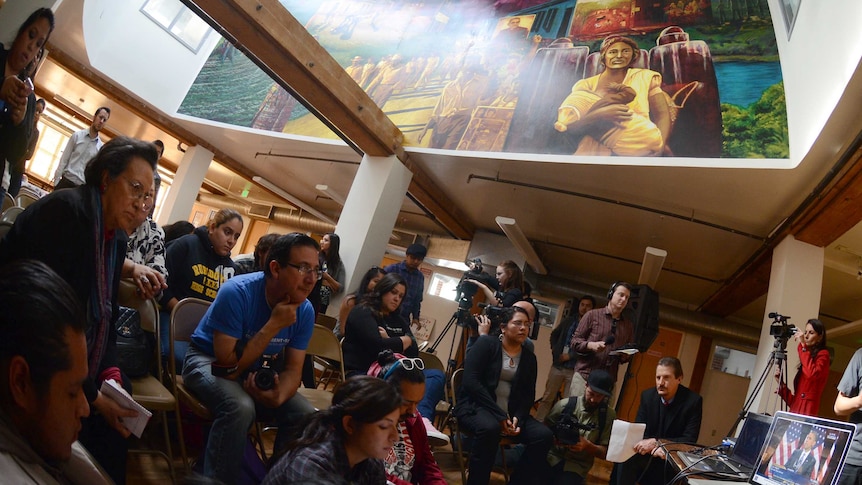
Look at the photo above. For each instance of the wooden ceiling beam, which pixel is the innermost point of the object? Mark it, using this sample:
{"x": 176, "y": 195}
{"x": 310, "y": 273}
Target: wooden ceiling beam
{"x": 833, "y": 212}
{"x": 266, "y": 32}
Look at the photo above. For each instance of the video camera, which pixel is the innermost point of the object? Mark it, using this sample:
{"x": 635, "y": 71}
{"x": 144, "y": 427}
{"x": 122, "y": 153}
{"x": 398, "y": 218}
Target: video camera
{"x": 568, "y": 430}
{"x": 467, "y": 290}
{"x": 779, "y": 328}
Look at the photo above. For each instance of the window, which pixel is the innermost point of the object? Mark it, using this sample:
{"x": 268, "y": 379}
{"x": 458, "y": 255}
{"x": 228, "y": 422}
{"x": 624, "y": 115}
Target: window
{"x": 733, "y": 361}
{"x": 443, "y": 286}
{"x": 179, "y": 21}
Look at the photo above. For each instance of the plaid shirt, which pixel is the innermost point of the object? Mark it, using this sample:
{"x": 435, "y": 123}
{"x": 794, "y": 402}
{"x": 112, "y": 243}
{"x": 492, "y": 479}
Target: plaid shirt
{"x": 412, "y": 302}
{"x": 595, "y": 326}
{"x": 321, "y": 463}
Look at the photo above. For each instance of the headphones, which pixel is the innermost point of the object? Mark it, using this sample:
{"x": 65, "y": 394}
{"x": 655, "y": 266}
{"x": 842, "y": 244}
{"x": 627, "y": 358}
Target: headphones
{"x": 613, "y": 289}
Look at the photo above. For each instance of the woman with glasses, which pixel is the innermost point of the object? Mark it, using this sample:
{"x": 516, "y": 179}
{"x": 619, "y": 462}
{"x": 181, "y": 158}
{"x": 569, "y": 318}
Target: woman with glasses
{"x": 198, "y": 264}
{"x": 345, "y": 443}
{"x": 495, "y": 398}
{"x": 372, "y": 276}
{"x": 81, "y": 234}
{"x": 375, "y": 325}
{"x": 410, "y": 461}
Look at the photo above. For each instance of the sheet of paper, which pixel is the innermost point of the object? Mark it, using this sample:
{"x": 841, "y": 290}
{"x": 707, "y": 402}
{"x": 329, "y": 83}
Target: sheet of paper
{"x": 116, "y": 392}
{"x": 624, "y": 437}
{"x": 623, "y": 351}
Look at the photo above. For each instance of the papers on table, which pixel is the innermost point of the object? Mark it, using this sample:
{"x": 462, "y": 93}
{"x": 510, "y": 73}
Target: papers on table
{"x": 624, "y": 437}
{"x": 116, "y": 392}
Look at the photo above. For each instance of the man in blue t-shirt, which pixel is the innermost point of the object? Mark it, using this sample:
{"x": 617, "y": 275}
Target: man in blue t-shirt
{"x": 257, "y": 317}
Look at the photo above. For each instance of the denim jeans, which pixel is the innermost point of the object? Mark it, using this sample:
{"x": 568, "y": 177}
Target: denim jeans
{"x": 234, "y": 413}
{"x": 180, "y": 348}
{"x": 435, "y": 383}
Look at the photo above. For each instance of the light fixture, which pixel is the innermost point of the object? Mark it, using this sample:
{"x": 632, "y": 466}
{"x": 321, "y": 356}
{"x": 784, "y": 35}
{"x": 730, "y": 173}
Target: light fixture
{"x": 651, "y": 266}
{"x": 293, "y": 200}
{"x": 332, "y": 194}
{"x": 522, "y": 244}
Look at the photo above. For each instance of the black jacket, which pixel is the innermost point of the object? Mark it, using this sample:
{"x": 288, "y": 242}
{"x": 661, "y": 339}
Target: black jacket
{"x": 58, "y": 230}
{"x": 362, "y": 341}
{"x": 678, "y": 422}
{"x": 482, "y": 374}
{"x": 14, "y": 138}
{"x": 559, "y": 340}
{"x": 194, "y": 268}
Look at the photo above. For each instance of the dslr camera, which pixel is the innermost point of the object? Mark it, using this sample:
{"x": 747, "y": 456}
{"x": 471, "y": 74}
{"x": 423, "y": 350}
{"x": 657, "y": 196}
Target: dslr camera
{"x": 568, "y": 430}
{"x": 264, "y": 378}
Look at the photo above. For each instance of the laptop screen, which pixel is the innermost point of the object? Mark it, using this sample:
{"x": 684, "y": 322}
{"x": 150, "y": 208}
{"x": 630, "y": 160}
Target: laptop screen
{"x": 751, "y": 438}
{"x": 803, "y": 450}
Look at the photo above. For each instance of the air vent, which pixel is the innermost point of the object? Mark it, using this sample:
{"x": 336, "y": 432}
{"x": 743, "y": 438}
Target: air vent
{"x": 260, "y": 210}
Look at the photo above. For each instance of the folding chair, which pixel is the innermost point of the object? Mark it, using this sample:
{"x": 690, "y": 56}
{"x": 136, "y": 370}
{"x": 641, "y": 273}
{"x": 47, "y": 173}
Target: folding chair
{"x": 149, "y": 391}
{"x": 323, "y": 344}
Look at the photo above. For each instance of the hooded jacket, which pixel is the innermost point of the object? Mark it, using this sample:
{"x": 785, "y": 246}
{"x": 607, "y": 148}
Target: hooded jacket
{"x": 194, "y": 268}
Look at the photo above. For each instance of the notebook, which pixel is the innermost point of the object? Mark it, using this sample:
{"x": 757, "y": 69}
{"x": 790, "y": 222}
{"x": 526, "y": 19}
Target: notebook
{"x": 744, "y": 456}
{"x": 824, "y": 442}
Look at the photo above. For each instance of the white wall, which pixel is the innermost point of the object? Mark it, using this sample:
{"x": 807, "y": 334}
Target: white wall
{"x": 128, "y": 47}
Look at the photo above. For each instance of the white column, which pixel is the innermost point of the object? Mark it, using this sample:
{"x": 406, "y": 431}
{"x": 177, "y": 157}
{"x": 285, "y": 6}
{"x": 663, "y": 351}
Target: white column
{"x": 369, "y": 215}
{"x": 186, "y": 185}
{"x": 795, "y": 284}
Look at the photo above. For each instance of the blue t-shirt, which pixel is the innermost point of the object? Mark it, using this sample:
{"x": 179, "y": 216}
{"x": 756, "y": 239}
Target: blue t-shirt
{"x": 240, "y": 310}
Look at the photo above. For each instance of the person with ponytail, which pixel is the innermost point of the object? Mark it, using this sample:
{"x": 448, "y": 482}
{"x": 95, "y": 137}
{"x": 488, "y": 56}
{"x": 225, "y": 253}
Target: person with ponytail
{"x": 410, "y": 461}
{"x": 346, "y": 442}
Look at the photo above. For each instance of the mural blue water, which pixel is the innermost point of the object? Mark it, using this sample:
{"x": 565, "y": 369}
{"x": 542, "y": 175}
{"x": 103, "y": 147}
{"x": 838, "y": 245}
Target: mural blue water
{"x": 742, "y": 83}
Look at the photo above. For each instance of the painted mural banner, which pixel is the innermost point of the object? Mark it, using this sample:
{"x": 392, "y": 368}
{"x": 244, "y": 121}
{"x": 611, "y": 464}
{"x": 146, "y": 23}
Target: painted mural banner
{"x": 634, "y": 78}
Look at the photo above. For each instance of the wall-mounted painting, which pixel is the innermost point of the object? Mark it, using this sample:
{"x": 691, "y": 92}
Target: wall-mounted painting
{"x": 634, "y": 78}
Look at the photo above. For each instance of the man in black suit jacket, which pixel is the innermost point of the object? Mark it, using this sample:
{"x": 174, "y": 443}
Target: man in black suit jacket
{"x": 802, "y": 459}
{"x": 672, "y": 412}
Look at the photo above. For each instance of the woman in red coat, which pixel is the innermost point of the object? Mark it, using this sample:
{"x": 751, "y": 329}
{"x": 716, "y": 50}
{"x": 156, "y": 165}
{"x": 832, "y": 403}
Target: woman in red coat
{"x": 812, "y": 372}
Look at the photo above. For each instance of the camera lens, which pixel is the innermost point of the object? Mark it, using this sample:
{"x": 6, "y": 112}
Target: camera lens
{"x": 264, "y": 379}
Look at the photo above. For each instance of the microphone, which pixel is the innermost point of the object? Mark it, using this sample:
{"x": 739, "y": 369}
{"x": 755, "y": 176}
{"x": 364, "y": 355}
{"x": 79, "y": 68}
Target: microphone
{"x": 610, "y": 339}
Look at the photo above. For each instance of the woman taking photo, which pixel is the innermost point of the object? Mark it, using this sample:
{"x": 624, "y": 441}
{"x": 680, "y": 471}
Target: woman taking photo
{"x": 510, "y": 280}
{"x": 345, "y": 443}
{"x": 375, "y": 325}
{"x": 198, "y": 264}
{"x": 333, "y": 269}
{"x": 81, "y": 234}
{"x": 495, "y": 398}
{"x": 372, "y": 276}
{"x": 812, "y": 372}
{"x": 17, "y": 102}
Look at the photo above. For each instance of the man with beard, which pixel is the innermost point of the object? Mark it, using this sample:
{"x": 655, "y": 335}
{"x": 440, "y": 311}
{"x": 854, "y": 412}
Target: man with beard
{"x": 571, "y": 461}
{"x": 672, "y": 413}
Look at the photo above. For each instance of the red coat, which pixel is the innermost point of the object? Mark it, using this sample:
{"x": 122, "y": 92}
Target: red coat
{"x": 809, "y": 382}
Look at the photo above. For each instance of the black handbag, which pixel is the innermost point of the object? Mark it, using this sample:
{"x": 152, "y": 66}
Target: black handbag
{"x": 134, "y": 345}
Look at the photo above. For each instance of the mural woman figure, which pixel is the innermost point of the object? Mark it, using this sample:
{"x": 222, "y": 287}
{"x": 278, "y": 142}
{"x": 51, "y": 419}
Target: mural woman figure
{"x": 622, "y": 111}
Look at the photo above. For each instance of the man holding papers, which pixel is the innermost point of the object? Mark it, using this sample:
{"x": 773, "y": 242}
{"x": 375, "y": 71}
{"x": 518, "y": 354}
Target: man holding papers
{"x": 672, "y": 412}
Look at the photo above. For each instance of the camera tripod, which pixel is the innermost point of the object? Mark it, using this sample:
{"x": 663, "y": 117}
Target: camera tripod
{"x": 778, "y": 356}
{"x": 460, "y": 319}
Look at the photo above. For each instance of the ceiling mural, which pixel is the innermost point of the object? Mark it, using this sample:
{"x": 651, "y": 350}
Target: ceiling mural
{"x": 638, "y": 78}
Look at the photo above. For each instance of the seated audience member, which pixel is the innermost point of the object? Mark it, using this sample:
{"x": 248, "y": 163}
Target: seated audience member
{"x": 374, "y": 325}
{"x": 483, "y": 325}
{"x": 43, "y": 359}
{"x": 672, "y": 412}
{"x": 495, "y": 398}
{"x": 250, "y": 264}
{"x": 198, "y": 264}
{"x": 371, "y": 277}
{"x": 410, "y": 460}
{"x": 80, "y": 233}
{"x": 254, "y": 315}
{"x": 571, "y": 460}
{"x": 346, "y": 442}
{"x": 145, "y": 251}
{"x": 177, "y": 230}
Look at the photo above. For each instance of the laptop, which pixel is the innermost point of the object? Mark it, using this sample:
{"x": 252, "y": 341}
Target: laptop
{"x": 803, "y": 450}
{"x": 744, "y": 456}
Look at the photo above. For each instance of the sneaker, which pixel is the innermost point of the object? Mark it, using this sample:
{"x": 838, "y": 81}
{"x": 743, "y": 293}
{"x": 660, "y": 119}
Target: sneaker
{"x": 435, "y": 438}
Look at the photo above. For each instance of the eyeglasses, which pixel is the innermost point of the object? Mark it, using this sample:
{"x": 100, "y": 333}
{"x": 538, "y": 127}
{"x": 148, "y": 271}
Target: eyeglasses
{"x": 304, "y": 269}
{"x": 520, "y": 324}
{"x": 139, "y": 193}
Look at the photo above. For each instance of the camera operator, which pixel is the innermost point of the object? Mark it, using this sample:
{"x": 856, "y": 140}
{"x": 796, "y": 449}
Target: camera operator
{"x": 812, "y": 372}
{"x": 582, "y": 430}
{"x": 254, "y": 315}
{"x": 510, "y": 280}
